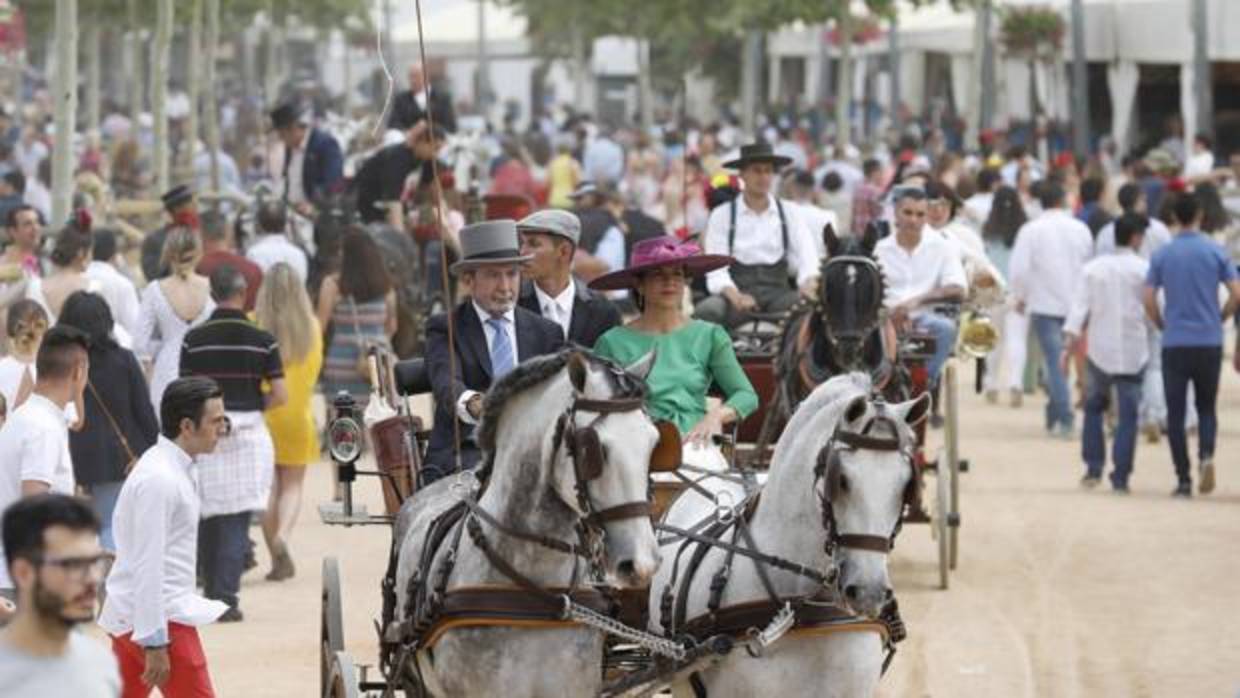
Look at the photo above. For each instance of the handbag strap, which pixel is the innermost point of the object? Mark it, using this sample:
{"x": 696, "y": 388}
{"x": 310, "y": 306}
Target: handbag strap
{"x": 357, "y": 328}
{"x": 111, "y": 420}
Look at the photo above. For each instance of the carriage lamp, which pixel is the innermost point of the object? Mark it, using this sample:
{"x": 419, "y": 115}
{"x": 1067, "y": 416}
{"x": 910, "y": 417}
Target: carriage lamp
{"x": 345, "y": 438}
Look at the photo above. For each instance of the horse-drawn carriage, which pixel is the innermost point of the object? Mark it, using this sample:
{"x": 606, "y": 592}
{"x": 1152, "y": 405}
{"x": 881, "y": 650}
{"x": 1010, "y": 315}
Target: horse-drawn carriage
{"x": 578, "y": 460}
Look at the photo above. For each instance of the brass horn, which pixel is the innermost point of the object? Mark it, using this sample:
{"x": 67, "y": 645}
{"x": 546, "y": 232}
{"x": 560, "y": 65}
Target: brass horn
{"x": 978, "y": 334}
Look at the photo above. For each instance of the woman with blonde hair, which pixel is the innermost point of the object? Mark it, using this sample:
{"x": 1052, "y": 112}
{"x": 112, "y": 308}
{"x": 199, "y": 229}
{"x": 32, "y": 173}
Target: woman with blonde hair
{"x": 170, "y": 307}
{"x": 283, "y": 309}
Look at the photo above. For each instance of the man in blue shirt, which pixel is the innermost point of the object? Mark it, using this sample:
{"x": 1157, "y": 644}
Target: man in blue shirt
{"x": 1188, "y": 270}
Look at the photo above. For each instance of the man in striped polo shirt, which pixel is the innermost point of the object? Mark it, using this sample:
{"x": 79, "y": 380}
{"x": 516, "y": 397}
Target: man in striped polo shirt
{"x": 234, "y": 480}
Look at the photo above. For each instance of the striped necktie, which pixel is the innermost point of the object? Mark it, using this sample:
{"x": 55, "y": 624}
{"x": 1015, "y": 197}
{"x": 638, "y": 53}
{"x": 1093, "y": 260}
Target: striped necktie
{"x": 503, "y": 358}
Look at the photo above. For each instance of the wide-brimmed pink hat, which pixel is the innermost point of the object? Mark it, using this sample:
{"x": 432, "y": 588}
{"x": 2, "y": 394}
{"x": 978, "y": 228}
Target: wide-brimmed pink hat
{"x": 665, "y": 251}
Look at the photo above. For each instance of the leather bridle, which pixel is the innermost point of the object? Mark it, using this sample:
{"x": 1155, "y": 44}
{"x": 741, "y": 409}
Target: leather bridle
{"x": 826, "y": 468}
{"x": 859, "y": 328}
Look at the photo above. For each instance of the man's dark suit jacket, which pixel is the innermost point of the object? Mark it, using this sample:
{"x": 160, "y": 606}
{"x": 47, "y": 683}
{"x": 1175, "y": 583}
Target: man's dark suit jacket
{"x": 406, "y": 111}
{"x": 535, "y": 337}
{"x": 322, "y": 168}
{"x": 593, "y": 313}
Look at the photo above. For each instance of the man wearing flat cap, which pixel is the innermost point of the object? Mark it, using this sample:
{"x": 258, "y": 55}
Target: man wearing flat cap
{"x": 311, "y": 166}
{"x": 774, "y": 250}
{"x": 550, "y": 239}
{"x": 492, "y": 335}
{"x": 182, "y": 210}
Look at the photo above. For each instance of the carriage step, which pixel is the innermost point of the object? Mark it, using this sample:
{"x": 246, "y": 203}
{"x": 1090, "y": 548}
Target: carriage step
{"x": 953, "y": 520}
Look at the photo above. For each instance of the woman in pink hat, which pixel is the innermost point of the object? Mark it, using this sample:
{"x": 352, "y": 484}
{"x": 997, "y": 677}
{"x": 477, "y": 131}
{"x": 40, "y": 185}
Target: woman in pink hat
{"x": 691, "y": 354}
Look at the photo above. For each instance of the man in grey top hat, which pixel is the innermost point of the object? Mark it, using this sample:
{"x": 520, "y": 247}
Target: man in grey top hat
{"x": 550, "y": 239}
{"x": 492, "y": 335}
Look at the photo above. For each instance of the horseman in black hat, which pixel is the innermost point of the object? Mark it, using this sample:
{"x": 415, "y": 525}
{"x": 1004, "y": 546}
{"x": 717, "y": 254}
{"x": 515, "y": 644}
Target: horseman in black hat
{"x": 774, "y": 251}
{"x": 182, "y": 208}
{"x": 312, "y": 165}
{"x": 492, "y": 335}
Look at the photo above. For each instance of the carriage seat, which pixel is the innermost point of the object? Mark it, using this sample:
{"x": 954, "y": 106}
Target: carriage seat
{"x": 412, "y": 377}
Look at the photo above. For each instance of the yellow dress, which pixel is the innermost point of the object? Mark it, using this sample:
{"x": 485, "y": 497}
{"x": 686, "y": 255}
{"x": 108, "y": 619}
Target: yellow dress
{"x": 562, "y": 173}
{"x": 292, "y": 424}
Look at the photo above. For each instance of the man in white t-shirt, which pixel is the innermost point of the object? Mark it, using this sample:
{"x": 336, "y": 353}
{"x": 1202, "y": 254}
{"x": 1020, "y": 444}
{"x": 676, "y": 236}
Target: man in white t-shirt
{"x": 53, "y": 554}
{"x": 920, "y": 270}
{"x": 34, "y": 442}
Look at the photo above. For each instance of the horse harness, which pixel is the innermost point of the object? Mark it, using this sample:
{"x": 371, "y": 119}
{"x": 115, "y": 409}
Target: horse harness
{"x": 434, "y": 608}
{"x": 821, "y": 611}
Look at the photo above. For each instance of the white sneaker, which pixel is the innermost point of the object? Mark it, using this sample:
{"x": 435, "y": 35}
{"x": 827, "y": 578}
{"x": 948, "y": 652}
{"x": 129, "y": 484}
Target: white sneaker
{"x": 1206, "y": 484}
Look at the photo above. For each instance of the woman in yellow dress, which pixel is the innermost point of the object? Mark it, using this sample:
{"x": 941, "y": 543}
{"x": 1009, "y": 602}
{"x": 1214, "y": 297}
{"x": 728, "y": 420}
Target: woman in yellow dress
{"x": 283, "y": 309}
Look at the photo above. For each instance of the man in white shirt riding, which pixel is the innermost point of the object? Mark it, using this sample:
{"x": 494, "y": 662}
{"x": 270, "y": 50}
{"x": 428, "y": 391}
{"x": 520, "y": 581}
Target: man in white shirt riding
{"x": 921, "y": 268}
{"x": 152, "y": 610}
{"x": 34, "y": 442}
{"x": 1047, "y": 258}
{"x": 1107, "y": 313}
{"x": 769, "y": 241}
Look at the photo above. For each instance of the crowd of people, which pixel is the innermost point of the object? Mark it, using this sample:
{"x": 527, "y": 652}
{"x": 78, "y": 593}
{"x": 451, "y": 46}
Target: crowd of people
{"x": 167, "y": 375}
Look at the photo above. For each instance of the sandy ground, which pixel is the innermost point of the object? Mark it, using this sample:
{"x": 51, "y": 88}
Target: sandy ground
{"x": 1060, "y": 592}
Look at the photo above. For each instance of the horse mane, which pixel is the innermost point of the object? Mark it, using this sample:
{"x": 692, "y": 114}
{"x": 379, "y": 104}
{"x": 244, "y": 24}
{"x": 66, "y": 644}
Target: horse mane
{"x": 535, "y": 371}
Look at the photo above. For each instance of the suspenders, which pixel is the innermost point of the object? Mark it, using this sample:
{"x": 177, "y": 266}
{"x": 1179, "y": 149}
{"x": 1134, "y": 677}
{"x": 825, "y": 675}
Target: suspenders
{"x": 783, "y": 224}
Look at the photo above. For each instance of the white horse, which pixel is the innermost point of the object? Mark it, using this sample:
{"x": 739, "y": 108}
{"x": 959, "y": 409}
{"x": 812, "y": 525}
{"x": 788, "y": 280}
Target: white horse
{"x": 865, "y": 489}
{"x": 534, "y": 490}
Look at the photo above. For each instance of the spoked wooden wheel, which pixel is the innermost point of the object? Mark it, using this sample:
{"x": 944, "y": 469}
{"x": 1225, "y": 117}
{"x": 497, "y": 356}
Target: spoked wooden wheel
{"x": 938, "y": 522}
{"x": 951, "y": 434}
{"x": 342, "y": 678}
{"x": 331, "y": 628}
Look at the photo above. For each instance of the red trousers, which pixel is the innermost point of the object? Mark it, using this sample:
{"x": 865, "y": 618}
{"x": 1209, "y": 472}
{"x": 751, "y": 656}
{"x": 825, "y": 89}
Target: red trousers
{"x": 189, "y": 677}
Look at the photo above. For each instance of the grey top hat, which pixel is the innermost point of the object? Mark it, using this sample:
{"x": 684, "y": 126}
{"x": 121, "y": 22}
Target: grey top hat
{"x": 552, "y": 221}
{"x": 489, "y": 242}
{"x": 585, "y": 188}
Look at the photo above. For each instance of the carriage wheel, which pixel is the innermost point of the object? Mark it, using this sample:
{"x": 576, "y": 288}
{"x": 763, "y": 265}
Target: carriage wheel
{"x": 331, "y": 626}
{"x": 939, "y": 520}
{"x": 342, "y": 678}
{"x": 952, "y": 437}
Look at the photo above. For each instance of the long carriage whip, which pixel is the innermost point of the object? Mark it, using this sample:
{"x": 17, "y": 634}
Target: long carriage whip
{"x": 437, "y": 194}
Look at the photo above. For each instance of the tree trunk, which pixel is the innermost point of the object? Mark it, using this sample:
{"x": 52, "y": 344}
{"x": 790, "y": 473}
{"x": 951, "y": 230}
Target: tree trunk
{"x": 193, "y": 89}
{"x": 159, "y": 91}
{"x": 136, "y": 80}
{"x": 92, "y": 45}
{"x": 211, "y": 111}
{"x": 346, "y": 101}
{"x": 581, "y": 68}
{"x": 751, "y": 57}
{"x": 1203, "y": 85}
{"x": 645, "y": 93}
{"x": 844, "y": 81}
{"x": 271, "y": 76}
{"x": 893, "y": 62}
{"x": 1080, "y": 88}
{"x": 65, "y": 91}
{"x": 988, "y": 86}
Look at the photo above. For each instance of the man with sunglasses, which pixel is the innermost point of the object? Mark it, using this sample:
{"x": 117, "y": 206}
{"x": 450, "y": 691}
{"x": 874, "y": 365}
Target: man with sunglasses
{"x": 152, "y": 611}
{"x": 52, "y": 551}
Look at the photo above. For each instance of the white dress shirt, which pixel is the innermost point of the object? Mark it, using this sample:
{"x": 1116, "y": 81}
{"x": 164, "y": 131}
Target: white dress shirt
{"x": 1108, "y": 296}
{"x": 119, "y": 292}
{"x": 156, "y": 528}
{"x": 1047, "y": 259}
{"x": 510, "y": 326}
{"x": 272, "y": 248}
{"x": 759, "y": 240}
{"x": 560, "y": 308}
{"x": 1156, "y": 235}
{"x": 969, "y": 247}
{"x": 34, "y": 447}
{"x": 932, "y": 264}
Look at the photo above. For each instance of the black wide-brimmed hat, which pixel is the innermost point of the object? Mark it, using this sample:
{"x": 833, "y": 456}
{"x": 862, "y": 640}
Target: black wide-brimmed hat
{"x": 288, "y": 114}
{"x": 757, "y": 152}
{"x": 174, "y": 197}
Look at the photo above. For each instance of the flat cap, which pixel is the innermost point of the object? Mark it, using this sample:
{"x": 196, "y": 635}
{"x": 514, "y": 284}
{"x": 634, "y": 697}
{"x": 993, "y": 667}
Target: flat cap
{"x": 553, "y": 221}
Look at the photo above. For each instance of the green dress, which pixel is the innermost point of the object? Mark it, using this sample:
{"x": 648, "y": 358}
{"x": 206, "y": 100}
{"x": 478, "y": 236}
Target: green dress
{"x": 688, "y": 361}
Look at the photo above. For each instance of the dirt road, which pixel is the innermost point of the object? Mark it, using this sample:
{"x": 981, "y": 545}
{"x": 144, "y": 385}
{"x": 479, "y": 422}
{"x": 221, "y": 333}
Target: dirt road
{"x": 1060, "y": 592}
